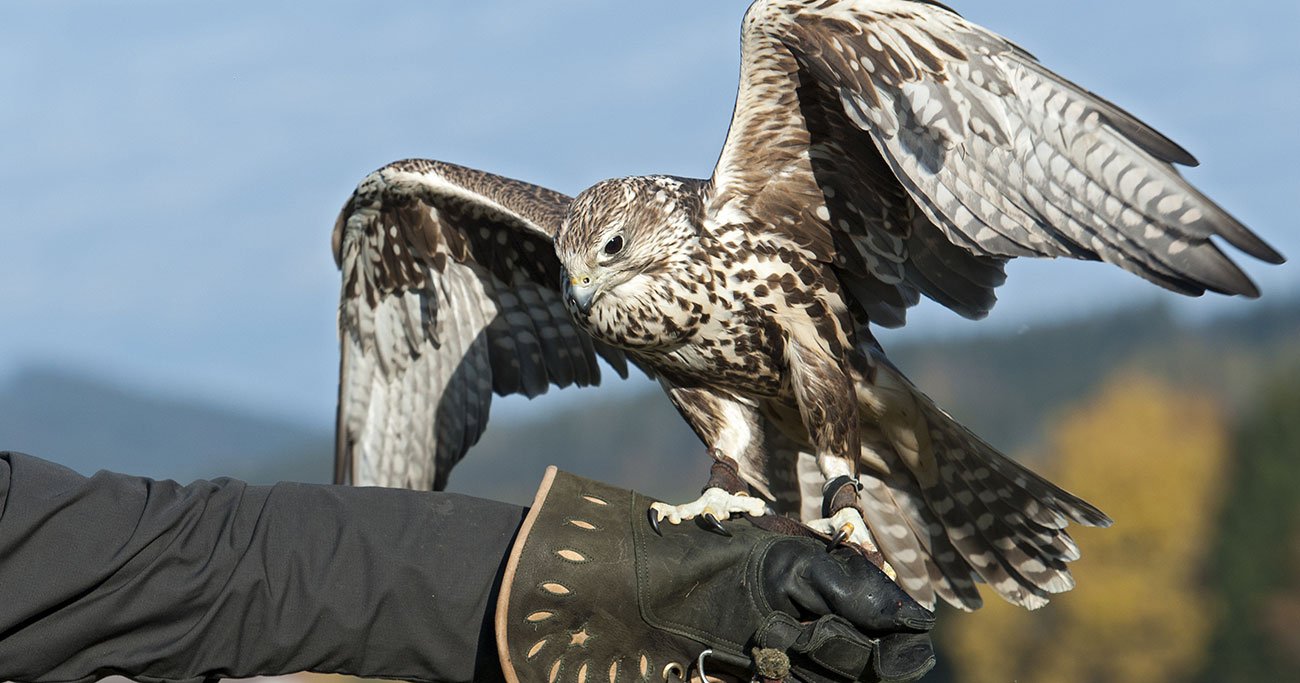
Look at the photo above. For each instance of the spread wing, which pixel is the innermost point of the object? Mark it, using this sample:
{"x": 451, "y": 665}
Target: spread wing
{"x": 450, "y": 292}
{"x": 919, "y": 152}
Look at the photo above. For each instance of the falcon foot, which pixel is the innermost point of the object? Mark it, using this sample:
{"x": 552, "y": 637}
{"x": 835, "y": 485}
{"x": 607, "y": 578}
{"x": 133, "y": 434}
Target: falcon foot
{"x": 847, "y": 527}
{"x": 713, "y": 505}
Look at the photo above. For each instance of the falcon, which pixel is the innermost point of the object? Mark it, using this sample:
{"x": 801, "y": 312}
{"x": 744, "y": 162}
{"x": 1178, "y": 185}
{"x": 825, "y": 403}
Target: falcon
{"x": 880, "y": 151}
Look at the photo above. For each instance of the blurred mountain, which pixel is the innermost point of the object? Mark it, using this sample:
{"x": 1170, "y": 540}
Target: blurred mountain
{"x": 1007, "y": 386}
{"x": 90, "y": 424}
{"x": 1004, "y": 385}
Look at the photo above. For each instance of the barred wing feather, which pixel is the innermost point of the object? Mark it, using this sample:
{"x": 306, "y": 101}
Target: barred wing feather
{"x": 450, "y": 293}
{"x": 917, "y": 153}
{"x": 998, "y": 155}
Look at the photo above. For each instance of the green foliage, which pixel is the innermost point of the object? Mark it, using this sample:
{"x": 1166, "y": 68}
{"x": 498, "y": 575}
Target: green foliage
{"x": 1256, "y": 572}
{"x": 1152, "y": 457}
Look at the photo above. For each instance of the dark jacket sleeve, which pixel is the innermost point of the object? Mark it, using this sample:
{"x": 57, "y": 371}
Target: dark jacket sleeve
{"x": 114, "y": 574}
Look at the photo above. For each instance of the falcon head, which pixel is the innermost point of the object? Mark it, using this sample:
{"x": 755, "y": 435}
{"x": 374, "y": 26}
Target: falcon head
{"x": 623, "y": 247}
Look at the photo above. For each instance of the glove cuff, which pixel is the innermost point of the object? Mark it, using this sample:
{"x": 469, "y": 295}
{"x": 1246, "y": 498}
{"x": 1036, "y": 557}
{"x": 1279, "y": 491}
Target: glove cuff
{"x": 568, "y": 608}
{"x": 590, "y": 594}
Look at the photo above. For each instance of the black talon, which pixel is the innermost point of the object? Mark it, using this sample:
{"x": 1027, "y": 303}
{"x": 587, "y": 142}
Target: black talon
{"x": 838, "y": 539}
{"x": 708, "y": 521}
{"x": 653, "y": 514}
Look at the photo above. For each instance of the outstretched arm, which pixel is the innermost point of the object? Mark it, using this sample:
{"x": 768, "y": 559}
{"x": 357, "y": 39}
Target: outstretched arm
{"x": 114, "y": 574}
{"x": 119, "y": 574}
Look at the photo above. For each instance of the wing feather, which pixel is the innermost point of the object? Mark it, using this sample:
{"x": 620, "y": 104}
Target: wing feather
{"x": 918, "y": 153}
{"x": 871, "y": 109}
{"x": 450, "y": 293}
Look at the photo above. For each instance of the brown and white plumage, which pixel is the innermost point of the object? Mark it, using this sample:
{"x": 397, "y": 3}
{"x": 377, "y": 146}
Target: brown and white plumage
{"x": 450, "y": 293}
{"x": 880, "y": 150}
{"x": 996, "y": 153}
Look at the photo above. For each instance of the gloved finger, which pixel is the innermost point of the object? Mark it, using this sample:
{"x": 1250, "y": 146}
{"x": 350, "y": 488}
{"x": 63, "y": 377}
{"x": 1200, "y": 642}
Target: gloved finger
{"x": 903, "y": 657}
{"x": 828, "y": 649}
{"x": 831, "y": 649}
{"x": 857, "y": 590}
{"x": 807, "y": 582}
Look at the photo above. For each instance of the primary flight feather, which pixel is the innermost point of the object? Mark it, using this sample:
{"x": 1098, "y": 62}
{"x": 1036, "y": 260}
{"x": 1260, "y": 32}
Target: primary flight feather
{"x": 880, "y": 150}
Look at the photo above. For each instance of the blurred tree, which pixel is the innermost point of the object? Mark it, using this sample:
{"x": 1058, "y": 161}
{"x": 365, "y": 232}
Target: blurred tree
{"x": 1257, "y": 567}
{"x": 1153, "y": 457}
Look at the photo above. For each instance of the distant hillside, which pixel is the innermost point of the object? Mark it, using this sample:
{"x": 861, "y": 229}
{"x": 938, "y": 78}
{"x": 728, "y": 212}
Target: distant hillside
{"x": 89, "y": 424}
{"x": 639, "y": 441}
{"x": 1004, "y": 385}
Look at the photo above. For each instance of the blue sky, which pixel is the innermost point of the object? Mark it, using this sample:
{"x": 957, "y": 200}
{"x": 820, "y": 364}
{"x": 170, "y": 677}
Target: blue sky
{"x": 170, "y": 172}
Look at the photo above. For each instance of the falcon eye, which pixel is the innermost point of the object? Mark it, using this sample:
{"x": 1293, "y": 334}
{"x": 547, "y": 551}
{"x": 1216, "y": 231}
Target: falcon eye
{"x": 615, "y": 245}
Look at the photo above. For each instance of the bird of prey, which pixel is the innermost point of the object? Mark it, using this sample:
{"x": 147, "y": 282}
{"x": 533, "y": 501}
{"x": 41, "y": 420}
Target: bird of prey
{"x": 880, "y": 151}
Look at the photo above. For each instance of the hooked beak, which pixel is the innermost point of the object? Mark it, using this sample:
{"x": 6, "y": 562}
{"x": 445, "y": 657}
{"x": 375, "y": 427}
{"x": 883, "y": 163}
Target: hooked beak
{"x": 580, "y": 292}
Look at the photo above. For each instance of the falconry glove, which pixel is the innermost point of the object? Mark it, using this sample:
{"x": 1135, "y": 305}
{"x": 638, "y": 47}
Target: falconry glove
{"x": 592, "y": 594}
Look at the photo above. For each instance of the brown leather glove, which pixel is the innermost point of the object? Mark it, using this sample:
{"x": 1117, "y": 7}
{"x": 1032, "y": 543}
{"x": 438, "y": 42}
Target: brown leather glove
{"x": 592, "y": 594}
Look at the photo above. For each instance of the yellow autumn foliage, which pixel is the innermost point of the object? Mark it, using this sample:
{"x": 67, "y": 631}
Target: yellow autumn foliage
{"x": 1153, "y": 458}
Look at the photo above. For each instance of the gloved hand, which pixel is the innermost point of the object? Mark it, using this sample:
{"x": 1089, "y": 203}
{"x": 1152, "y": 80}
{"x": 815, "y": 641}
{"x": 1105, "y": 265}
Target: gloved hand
{"x": 592, "y": 594}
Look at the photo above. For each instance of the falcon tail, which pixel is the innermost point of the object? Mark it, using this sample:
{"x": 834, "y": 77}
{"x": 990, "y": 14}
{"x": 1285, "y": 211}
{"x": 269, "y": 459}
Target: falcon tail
{"x": 961, "y": 512}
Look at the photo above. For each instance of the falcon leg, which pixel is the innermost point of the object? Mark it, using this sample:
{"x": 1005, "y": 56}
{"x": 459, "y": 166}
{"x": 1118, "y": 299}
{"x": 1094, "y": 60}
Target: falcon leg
{"x": 821, "y": 383}
{"x": 724, "y": 495}
{"x": 842, "y": 520}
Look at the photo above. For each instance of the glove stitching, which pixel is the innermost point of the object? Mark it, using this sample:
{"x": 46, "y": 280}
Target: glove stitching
{"x": 754, "y": 575}
{"x": 814, "y": 655}
{"x": 706, "y": 638}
